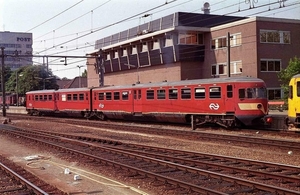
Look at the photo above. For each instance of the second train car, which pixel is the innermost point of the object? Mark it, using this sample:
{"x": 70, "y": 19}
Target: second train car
{"x": 228, "y": 102}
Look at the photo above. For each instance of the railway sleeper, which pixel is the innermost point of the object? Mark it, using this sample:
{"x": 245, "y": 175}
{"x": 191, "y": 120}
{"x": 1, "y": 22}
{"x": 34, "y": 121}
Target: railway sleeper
{"x": 226, "y": 121}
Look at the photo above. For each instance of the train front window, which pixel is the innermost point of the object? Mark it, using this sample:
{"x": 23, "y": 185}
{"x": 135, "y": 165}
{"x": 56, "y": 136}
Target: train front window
{"x": 261, "y": 92}
{"x": 251, "y": 93}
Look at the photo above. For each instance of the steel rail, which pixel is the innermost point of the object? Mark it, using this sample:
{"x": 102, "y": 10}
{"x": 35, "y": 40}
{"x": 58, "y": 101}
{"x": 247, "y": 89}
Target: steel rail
{"x": 169, "y": 164}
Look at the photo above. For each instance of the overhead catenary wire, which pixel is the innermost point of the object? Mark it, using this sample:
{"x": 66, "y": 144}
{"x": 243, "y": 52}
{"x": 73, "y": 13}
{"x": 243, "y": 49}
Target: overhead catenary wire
{"x": 108, "y": 26}
{"x": 55, "y": 15}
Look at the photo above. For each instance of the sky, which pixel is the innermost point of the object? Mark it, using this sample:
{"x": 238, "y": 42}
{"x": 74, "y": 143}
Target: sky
{"x": 71, "y": 27}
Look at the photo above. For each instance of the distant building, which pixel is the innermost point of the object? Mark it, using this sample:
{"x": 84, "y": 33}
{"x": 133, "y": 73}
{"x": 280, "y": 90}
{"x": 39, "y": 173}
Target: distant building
{"x": 16, "y": 43}
{"x": 185, "y": 46}
{"x": 77, "y": 82}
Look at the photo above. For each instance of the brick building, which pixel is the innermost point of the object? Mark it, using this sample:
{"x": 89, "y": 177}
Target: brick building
{"x": 184, "y": 46}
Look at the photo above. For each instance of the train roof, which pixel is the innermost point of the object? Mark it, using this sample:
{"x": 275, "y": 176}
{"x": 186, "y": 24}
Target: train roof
{"x": 160, "y": 84}
{"x": 59, "y": 90}
{"x": 187, "y": 82}
{"x": 296, "y": 76}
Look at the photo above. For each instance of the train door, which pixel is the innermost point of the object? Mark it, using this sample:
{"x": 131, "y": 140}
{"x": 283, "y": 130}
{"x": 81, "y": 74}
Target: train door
{"x": 137, "y": 100}
{"x": 55, "y": 100}
{"x": 229, "y": 99}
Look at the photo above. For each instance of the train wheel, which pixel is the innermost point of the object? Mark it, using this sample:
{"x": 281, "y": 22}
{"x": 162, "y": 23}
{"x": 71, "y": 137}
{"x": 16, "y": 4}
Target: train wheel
{"x": 100, "y": 115}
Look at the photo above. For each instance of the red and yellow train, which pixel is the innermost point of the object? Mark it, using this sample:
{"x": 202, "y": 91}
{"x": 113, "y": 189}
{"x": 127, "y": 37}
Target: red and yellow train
{"x": 229, "y": 102}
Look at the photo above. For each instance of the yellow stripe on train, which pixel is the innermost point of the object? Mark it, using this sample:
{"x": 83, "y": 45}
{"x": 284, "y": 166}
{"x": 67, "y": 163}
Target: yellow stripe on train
{"x": 251, "y": 106}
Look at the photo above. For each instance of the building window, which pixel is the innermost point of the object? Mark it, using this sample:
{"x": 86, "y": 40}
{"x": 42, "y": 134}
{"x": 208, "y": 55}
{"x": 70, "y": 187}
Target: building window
{"x": 274, "y": 36}
{"x": 218, "y": 69}
{"x": 190, "y": 38}
{"x": 236, "y": 40}
{"x": 236, "y": 67}
{"x": 219, "y": 43}
{"x": 274, "y": 94}
{"x": 167, "y": 41}
{"x": 270, "y": 65}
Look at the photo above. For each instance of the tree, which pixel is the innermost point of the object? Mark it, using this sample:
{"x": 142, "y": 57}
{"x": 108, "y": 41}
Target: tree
{"x": 84, "y": 74}
{"x": 285, "y": 75}
{"x": 30, "y": 78}
{"x": 7, "y": 73}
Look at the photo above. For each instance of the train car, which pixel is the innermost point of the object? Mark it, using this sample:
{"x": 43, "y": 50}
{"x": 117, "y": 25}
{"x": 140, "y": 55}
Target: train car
{"x": 73, "y": 102}
{"x": 294, "y": 102}
{"x": 40, "y": 102}
{"x": 70, "y": 102}
{"x": 10, "y": 99}
{"x": 229, "y": 102}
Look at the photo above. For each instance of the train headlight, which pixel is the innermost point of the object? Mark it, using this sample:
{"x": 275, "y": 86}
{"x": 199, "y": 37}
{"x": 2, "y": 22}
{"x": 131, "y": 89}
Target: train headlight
{"x": 259, "y": 106}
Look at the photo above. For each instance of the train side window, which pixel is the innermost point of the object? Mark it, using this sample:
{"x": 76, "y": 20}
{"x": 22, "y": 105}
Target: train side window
{"x": 199, "y": 93}
{"x": 161, "y": 94}
{"x": 125, "y": 95}
{"x": 69, "y": 97}
{"x": 41, "y": 98}
{"x": 81, "y": 96}
{"x": 36, "y": 97}
{"x": 173, "y": 93}
{"x": 150, "y": 95}
{"x": 186, "y": 93}
{"x": 50, "y": 97}
{"x": 298, "y": 89}
{"x": 75, "y": 97}
{"x": 229, "y": 91}
{"x": 116, "y": 95}
{"x": 140, "y": 94}
{"x": 215, "y": 92}
{"x": 108, "y": 95}
{"x": 241, "y": 93}
{"x": 291, "y": 92}
{"x": 101, "y": 96}
{"x": 45, "y": 98}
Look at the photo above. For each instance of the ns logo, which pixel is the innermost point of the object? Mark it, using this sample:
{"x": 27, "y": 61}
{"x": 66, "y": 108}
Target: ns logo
{"x": 214, "y": 106}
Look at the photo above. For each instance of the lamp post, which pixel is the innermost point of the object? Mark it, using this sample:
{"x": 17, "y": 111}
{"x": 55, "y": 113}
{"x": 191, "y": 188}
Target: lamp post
{"x": 79, "y": 79}
{"x": 137, "y": 71}
{"x": 17, "y": 87}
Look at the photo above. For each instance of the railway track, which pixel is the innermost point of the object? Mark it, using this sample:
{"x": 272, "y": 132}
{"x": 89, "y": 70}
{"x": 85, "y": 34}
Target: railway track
{"x": 178, "y": 171}
{"x": 15, "y": 180}
{"x": 242, "y": 139}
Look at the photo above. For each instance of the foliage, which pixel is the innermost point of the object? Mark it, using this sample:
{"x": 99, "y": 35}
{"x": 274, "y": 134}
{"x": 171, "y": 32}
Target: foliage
{"x": 285, "y": 75}
{"x": 28, "y": 78}
{"x": 84, "y": 74}
{"x": 7, "y": 73}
